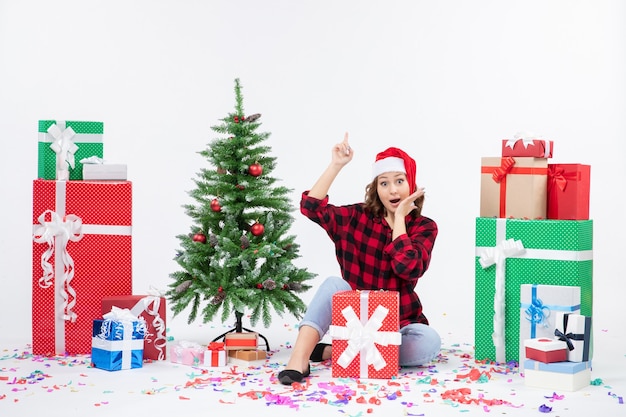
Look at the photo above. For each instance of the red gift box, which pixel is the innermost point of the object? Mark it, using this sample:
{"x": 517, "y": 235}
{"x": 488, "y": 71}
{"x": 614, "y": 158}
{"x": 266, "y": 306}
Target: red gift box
{"x": 513, "y": 187}
{"x": 545, "y": 350}
{"x": 536, "y": 148}
{"x": 365, "y": 334}
{"x": 568, "y": 191}
{"x": 82, "y": 249}
{"x": 152, "y": 309}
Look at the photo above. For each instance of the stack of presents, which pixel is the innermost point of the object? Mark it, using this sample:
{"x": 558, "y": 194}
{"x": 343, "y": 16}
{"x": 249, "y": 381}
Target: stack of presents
{"x": 534, "y": 265}
{"x": 82, "y": 299}
{"x": 533, "y": 278}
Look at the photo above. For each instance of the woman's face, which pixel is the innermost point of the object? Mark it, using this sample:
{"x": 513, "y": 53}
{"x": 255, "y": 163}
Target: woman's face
{"x": 392, "y": 188}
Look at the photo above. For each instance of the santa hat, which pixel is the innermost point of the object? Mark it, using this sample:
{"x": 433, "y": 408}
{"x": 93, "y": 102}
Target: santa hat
{"x": 395, "y": 160}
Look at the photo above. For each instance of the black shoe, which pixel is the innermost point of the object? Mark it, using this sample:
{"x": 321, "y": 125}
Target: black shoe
{"x": 318, "y": 352}
{"x": 289, "y": 376}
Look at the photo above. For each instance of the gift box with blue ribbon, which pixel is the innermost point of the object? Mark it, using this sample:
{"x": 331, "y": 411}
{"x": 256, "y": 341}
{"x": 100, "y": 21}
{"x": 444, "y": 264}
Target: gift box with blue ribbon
{"x": 117, "y": 342}
{"x": 542, "y": 307}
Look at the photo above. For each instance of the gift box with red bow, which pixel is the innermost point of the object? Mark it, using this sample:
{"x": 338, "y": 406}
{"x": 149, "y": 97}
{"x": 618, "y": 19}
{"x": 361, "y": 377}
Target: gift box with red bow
{"x": 215, "y": 354}
{"x": 513, "y": 187}
{"x": 365, "y": 334}
{"x": 568, "y": 191}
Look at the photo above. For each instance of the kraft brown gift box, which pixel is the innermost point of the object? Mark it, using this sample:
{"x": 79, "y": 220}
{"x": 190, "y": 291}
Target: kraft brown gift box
{"x": 514, "y": 187}
{"x": 247, "y": 355}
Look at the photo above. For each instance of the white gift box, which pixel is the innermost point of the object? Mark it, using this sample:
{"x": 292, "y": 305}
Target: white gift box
{"x": 577, "y": 329}
{"x": 541, "y": 308}
{"x": 104, "y": 172}
{"x": 558, "y": 376}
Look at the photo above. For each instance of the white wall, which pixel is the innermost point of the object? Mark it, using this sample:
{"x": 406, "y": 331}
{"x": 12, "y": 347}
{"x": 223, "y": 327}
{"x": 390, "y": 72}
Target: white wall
{"x": 445, "y": 80}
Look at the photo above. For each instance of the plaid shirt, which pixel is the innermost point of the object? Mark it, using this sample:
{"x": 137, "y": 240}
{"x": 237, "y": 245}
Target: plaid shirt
{"x": 369, "y": 259}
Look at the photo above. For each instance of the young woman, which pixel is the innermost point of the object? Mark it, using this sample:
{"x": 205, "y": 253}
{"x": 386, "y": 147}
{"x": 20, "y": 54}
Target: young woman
{"x": 383, "y": 243}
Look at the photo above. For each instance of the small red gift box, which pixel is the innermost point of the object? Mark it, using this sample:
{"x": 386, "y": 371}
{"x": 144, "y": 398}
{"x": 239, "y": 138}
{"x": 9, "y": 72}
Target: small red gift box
{"x": 522, "y": 146}
{"x": 513, "y": 187}
{"x": 152, "y": 309}
{"x": 568, "y": 191}
{"x": 241, "y": 340}
{"x": 215, "y": 354}
{"x": 365, "y": 334}
{"x": 82, "y": 252}
{"x": 546, "y": 350}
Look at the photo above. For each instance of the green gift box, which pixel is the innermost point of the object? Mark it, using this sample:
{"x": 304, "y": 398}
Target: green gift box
{"x": 76, "y": 140}
{"x": 512, "y": 252}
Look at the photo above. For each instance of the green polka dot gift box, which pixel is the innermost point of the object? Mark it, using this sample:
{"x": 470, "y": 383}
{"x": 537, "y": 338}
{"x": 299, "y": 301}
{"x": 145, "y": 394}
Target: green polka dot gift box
{"x": 513, "y": 252}
{"x": 63, "y": 144}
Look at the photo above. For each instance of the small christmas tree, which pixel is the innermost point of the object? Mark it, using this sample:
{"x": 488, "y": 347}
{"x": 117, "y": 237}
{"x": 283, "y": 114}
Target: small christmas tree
{"x": 239, "y": 255}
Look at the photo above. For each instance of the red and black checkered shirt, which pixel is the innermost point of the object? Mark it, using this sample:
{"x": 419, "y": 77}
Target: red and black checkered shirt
{"x": 367, "y": 256}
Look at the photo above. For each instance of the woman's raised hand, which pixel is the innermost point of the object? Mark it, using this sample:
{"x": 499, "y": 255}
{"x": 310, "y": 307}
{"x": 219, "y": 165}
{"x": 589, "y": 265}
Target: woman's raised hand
{"x": 342, "y": 152}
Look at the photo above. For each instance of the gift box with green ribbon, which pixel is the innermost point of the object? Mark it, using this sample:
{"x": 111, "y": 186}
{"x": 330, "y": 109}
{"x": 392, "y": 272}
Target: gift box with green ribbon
{"x": 63, "y": 144}
{"x": 512, "y": 252}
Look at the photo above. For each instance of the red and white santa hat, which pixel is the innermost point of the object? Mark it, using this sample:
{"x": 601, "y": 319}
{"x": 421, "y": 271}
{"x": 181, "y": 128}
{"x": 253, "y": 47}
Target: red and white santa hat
{"x": 395, "y": 160}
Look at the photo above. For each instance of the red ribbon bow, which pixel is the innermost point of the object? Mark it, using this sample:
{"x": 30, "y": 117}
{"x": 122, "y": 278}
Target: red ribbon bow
{"x": 505, "y": 167}
{"x": 557, "y": 176}
{"x": 216, "y": 346}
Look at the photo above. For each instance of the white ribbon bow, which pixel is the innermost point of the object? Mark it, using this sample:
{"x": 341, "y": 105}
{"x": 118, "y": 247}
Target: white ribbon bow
{"x": 124, "y": 332}
{"x": 58, "y": 232}
{"x": 151, "y": 305}
{"x": 526, "y": 138}
{"x": 497, "y": 256}
{"x": 362, "y": 338}
{"x": 64, "y": 146}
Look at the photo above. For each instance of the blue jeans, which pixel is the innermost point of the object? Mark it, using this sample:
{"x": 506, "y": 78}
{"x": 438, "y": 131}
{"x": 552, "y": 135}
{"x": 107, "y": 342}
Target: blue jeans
{"x": 420, "y": 342}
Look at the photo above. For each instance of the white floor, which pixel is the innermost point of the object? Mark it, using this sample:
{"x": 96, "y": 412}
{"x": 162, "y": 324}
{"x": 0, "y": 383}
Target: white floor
{"x": 69, "y": 387}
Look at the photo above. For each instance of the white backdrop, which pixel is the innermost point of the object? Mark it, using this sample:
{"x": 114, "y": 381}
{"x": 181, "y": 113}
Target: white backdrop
{"x": 445, "y": 80}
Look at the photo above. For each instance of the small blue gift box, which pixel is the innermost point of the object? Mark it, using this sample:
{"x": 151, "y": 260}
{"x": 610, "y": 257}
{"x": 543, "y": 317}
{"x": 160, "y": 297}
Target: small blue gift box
{"x": 117, "y": 344}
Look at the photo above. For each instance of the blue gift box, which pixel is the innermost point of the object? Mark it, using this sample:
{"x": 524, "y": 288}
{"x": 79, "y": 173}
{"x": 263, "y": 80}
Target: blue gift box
{"x": 117, "y": 345}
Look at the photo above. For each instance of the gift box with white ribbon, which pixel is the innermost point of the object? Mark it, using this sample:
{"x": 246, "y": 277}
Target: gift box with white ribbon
{"x": 117, "y": 341}
{"x": 82, "y": 252}
{"x": 151, "y": 308}
{"x": 365, "y": 333}
{"x": 63, "y": 144}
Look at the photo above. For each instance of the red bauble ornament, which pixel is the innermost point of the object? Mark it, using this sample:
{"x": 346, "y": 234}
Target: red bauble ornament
{"x": 241, "y": 187}
{"x": 259, "y": 286}
{"x": 199, "y": 237}
{"x": 215, "y": 205}
{"x": 255, "y": 169}
{"x": 257, "y": 229}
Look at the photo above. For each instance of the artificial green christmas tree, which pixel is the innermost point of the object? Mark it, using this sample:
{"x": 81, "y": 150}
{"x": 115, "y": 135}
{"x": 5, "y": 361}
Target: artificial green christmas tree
{"x": 239, "y": 255}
